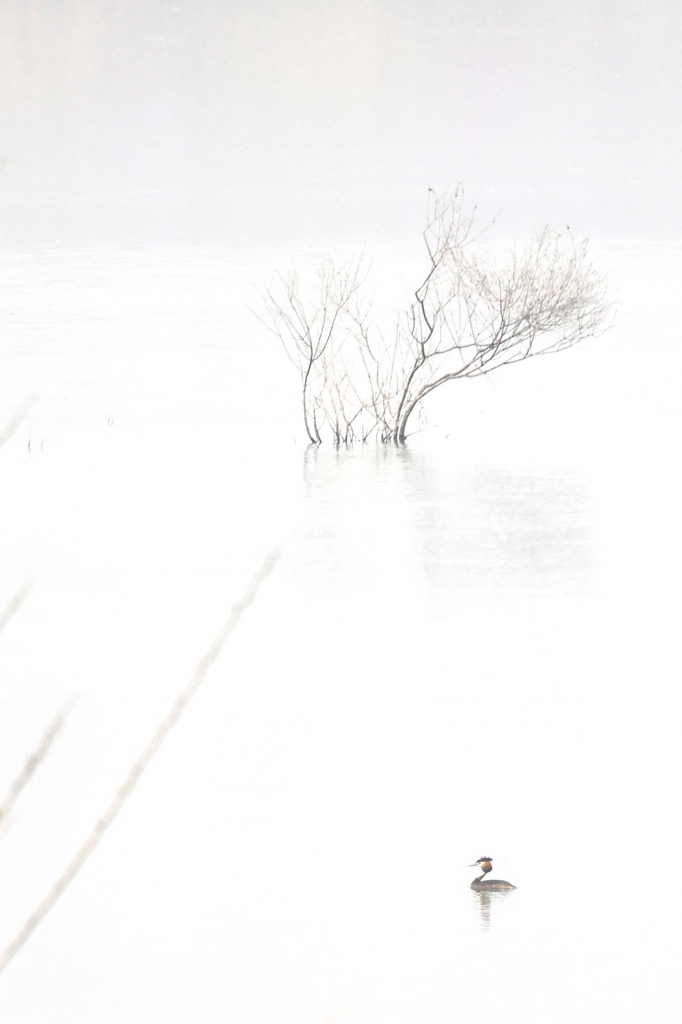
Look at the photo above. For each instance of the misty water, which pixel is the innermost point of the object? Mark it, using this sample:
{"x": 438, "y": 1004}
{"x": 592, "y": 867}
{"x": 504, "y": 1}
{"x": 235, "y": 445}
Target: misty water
{"x": 468, "y": 646}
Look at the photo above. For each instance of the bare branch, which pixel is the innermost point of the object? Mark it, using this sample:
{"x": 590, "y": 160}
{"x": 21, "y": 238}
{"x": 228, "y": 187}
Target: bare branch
{"x": 35, "y": 759}
{"x": 14, "y": 604}
{"x": 140, "y": 766}
{"x": 15, "y": 421}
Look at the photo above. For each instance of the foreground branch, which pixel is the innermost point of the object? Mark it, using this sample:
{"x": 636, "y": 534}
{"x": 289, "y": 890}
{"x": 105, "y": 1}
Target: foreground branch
{"x": 15, "y": 421}
{"x": 33, "y": 761}
{"x": 140, "y": 766}
{"x": 14, "y": 604}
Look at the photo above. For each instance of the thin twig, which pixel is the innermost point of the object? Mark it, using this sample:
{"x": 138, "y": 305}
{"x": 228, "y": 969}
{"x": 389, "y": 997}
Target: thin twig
{"x": 32, "y": 762}
{"x": 21, "y": 413}
{"x": 14, "y": 604}
{"x": 142, "y": 763}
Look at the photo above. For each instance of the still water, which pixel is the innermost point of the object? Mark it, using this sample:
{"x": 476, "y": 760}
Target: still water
{"x": 467, "y": 647}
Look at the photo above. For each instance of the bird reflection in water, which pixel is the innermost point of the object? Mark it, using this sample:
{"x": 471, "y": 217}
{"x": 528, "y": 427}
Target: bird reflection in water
{"x": 488, "y": 890}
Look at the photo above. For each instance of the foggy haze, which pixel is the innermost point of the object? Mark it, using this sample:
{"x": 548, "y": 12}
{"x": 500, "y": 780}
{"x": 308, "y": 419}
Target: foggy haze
{"x": 469, "y": 644}
{"x": 176, "y": 121}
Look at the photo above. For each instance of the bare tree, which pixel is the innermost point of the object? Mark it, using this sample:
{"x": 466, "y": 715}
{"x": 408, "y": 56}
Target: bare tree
{"x": 314, "y": 331}
{"x": 474, "y": 311}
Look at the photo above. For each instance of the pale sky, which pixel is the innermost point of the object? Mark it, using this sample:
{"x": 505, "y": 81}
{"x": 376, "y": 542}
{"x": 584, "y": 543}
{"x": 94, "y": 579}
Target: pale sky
{"x": 164, "y": 120}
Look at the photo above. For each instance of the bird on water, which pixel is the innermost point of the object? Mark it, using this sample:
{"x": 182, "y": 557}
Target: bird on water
{"x": 485, "y": 865}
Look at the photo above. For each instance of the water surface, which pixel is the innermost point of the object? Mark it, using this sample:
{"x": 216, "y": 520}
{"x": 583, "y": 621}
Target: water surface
{"x": 468, "y": 647}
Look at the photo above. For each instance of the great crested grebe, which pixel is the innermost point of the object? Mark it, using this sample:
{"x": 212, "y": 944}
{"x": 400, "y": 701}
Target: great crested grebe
{"x": 485, "y": 864}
